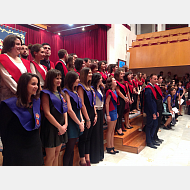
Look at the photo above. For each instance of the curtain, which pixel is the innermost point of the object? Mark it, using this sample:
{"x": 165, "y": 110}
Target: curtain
{"x": 91, "y": 44}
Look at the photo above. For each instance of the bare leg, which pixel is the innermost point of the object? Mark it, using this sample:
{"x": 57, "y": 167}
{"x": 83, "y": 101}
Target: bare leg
{"x": 50, "y": 156}
{"x": 57, "y": 151}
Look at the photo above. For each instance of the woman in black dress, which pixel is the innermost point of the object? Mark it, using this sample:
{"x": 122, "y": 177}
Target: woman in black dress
{"x": 20, "y": 122}
{"x": 54, "y": 125}
{"x": 87, "y": 96}
{"x": 75, "y": 118}
{"x": 97, "y": 138}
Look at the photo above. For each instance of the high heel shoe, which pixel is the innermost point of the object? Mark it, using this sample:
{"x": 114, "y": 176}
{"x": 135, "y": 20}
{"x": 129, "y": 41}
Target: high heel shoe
{"x": 109, "y": 151}
{"x": 116, "y": 151}
{"x": 130, "y": 127}
{"x": 88, "y": 162}
{"x": 121, "y": 134}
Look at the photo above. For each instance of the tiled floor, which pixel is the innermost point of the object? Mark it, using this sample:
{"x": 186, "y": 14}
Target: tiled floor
{"x": 174, "y": 151}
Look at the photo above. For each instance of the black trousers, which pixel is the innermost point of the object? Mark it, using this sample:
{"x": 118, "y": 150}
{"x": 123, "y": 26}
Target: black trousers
{"x": 97, "y": 140}
{"x": 120, "y": 111}
{"x": 84, "y": 141}
{"x": 159, "y": 125}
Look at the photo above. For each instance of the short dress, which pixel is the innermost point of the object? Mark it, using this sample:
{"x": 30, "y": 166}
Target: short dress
{"x": 113, "y": 113}
{"x": 183, "y": 97}
{"x": 49, "y": 133}
{"x": 73, "y": 128}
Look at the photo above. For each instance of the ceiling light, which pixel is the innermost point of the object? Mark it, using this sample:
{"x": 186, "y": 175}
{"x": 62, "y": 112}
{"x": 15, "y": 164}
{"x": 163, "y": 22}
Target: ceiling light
{"x": 59, "y": 33}
{"x": 83, "y": 29}
{"x": 70, "y": 24}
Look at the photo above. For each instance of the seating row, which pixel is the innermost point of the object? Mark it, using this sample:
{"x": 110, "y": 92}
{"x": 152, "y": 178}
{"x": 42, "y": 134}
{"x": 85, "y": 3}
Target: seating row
{"x": 158, "y": 41}
{"x": 163, "y": 34}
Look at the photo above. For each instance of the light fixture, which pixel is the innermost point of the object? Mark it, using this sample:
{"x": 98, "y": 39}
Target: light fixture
{"x": 59, "y": 33}
{"x": 83, "y": 29}
{"x": 70, "y": 24}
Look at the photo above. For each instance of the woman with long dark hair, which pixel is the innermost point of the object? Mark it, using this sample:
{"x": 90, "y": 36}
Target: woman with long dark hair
{"x": 97, "y": 139}
{"x": 20, "y": 121}
{"x": 122, "y": 99}
{"x": 101, "y": 70}
{"x": 79, "y": 64}
{"x": 86, "y": 94}
{"x": 54, "y": 125}
{"x": 75, "y": 118}
{"x": 111, "y": 113}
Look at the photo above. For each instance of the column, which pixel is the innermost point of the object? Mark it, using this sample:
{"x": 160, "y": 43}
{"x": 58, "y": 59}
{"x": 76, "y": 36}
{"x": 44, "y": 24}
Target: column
{"x": 138, "y": 29}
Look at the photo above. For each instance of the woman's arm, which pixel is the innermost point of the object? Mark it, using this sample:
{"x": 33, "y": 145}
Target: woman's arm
{"x": 169, "y": 104}
{"x": 84, "y": 111}
{"x": 49, "y": 116}
{"x": 121, "y": 95}
{"x": 107, "y": 108}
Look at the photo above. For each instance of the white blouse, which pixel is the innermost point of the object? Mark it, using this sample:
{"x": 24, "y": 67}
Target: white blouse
{"x": 99, "y": 103}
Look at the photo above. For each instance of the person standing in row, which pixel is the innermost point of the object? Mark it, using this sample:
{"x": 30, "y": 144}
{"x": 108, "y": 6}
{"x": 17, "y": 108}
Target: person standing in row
{"x": 11, "y": 66}
{"x": 61, "y": 64}
{"x": 54, "y": 124}
{"x": 20, "y": 121}
{"x": 38, "y": 54}
{"x": 46, "y": 62}
{"x": 75, "y": 119}
{"x": 111, "y": 113}
{"x": 89, "y": 114}
{"x": 97, "y": 139}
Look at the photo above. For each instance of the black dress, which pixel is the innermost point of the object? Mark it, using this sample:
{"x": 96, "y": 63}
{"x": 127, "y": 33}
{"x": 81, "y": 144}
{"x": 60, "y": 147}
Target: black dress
{"x": 20, "y": 147}
{"x": 49, "y": 133}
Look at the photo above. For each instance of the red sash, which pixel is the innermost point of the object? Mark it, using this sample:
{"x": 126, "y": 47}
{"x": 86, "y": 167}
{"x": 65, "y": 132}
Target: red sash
{"x": 111, "y": 106}
{"x": 64, "y": 67}
{"x": 122, "y": 86}
{"x": 11, "y": 67}
{"x": 143, "y": 80}
{"x": 153, "y": 90}
{"x": 130, "y": 86}
{"x": 52, "y": 65}
{"x": 40, "y": 70}
{"x": 140, "y": 83}
{"x": 103, "y": 75}
{"x": 26, "y": 64}
{"x": 158, "y": 89}
{"x": 135, "y": 82}
{"x": 112, "y": 74}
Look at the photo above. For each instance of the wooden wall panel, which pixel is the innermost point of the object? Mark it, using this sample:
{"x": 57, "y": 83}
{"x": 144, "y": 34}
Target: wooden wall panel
{"x": 163, "y": 55}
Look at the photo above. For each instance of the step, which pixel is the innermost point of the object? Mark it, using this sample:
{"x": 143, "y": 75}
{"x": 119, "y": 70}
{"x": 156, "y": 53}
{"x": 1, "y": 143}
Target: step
{"x": 138, "y": 143}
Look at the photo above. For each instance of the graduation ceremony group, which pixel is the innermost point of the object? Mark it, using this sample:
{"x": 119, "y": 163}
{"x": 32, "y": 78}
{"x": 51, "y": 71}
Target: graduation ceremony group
{"x": 44, "y": 105}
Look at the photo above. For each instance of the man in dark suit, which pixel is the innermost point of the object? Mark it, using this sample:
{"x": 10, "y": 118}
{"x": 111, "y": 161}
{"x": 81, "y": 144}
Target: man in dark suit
{"x": 150, "y": 108}
{"x": 159, "y": 107}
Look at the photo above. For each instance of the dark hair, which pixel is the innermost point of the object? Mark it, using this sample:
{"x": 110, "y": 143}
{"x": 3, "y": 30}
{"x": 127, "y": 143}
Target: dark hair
{"x": 93, "y": 66}
{"x": 22, "y": 92}
{"x": 108, "y": 83}
{"x": 9, "y": 43}
{"x": 83, "y": 76}
{"x": 69, "y": 63}
{"x": 45, "y": 44}
{"x": 153, "y": 74}
{"x": 147, "y": 80}
{"x": 99, "y": 65}
{"x": 78, "y": 64}
{"x": 95, "y": 79}
{"x": 117, "y": 73}
{"x": 72, "y": 54}
{"x": 170, "y": 90}
{"x": 70, "y": 78}
{"x": 126, "y": 76}
{"x": 49, "y": 83}
{"x": 111, "y": 67}
{"x": 62, "y": 53}
{"x": 159, "y": 76}
{"x": 86, "y": 59}
{"x": 34, "y": 48}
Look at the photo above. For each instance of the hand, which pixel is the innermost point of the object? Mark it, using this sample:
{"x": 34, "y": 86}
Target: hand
{"x": 62, "y": 130}
{"x": 126, "y": 99}
{"x": 157, "y": 114}
{"x": 88, "y": 124}
{"x": 130, "y": 101}
{"x": 154, "y": 116}
{"x": 95, "y": 120}
{"x": 81, "y": 126}
{"x": 108, "y": 118}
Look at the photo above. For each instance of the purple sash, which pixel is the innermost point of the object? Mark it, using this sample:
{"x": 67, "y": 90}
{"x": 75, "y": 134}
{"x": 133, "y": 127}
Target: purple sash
{"x": 98, "y": 94}
{"x": 90, "y": 94}
{"x": 75, "y": 97}
{"x": 61, "y": 107}
{"x": 23, "y": 114}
